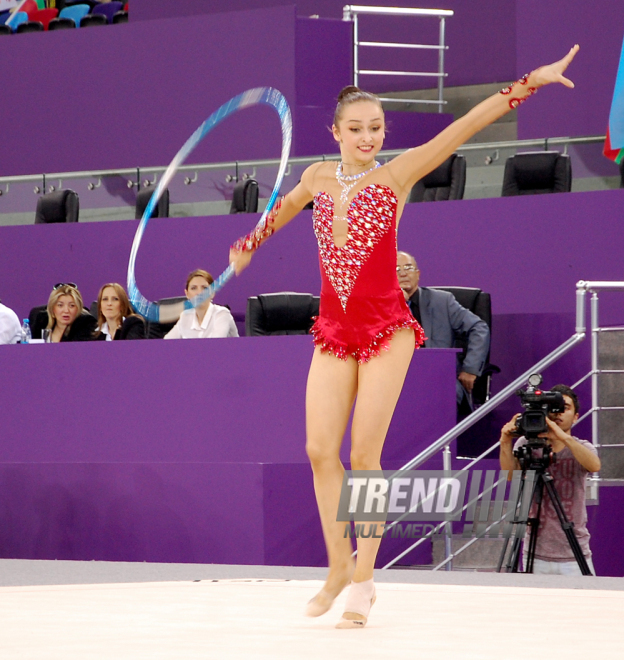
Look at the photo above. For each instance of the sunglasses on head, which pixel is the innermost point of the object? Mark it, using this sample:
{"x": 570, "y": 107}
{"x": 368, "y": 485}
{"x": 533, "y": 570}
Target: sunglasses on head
{"x": 71, "y": 285}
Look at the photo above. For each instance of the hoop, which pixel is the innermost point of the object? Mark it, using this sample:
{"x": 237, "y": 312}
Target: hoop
{"x": 257, "y": 96}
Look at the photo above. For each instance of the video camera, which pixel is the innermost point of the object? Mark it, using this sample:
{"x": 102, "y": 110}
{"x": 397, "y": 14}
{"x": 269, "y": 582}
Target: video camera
{"x": 537, "y": 405}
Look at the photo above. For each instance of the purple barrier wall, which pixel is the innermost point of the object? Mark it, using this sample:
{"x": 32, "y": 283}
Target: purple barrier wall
{"x": 132, "y": 94}
{"x": 530, "y": 263}
{"x": 178, "y": 451}
{"x": 528, "y": 252}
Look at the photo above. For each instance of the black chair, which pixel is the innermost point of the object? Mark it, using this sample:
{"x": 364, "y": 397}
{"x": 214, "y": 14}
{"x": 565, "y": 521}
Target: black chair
{"x": 245, "y": 197}
{"x": 622, "y": 173}
{"x": 30, "y": 26}
{"x": 479, "y": 303}
{"x": 120, "y": 17}
{"x": 93, "y": 19}
{"x": 157, "y": 330}
{"x": 38, "y": 320}
{"x": 143, "y": 197}
{"x": 284, "y": 313}
{"x": 537, "y": 172}
{"x": 447, "y": 181}
{"x": 59, "y": 206}
{"x": 5, "y": 29}
{"x": 61, "y": 24}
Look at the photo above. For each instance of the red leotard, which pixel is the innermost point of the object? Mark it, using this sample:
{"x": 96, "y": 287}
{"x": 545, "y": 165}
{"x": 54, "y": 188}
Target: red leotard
{"x": 362, "y": 305}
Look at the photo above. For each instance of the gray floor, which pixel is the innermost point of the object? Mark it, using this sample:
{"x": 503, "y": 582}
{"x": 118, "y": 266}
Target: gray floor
{"x": 23, "y": 572}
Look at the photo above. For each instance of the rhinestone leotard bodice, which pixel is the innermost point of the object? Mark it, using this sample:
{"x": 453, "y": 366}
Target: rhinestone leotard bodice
{"x": 362, "y": 304}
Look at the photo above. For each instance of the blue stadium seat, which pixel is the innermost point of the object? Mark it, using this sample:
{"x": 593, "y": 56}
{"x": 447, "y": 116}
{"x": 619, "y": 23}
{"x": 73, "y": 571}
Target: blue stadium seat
{"x": 19, "y": 18}
{"x": 75, "y": 12}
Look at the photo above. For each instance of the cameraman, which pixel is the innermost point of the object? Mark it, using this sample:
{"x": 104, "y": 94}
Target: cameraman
{"x": 572, "y": 460}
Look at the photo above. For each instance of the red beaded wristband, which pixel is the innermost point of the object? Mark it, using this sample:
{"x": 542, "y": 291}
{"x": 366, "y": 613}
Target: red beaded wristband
{"x": 515, "y": 102}
{"x": 261, "y": 232}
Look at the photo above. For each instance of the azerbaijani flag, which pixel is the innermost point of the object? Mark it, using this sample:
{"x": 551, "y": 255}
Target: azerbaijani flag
{"x": 614, "y": 144}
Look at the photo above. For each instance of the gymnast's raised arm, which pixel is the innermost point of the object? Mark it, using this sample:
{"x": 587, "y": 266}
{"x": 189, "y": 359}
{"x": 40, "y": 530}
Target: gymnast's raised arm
{"x": 411, "y": 166}
{"x": 283, "y": 212}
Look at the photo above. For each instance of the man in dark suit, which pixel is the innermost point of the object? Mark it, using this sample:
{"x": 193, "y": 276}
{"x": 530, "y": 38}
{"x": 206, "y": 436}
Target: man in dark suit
{"x": 442, "y": 318}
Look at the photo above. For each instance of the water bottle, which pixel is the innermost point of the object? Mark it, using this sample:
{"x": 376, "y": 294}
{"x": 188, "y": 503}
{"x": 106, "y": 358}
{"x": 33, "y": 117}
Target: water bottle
{"x": 26, "y": 335}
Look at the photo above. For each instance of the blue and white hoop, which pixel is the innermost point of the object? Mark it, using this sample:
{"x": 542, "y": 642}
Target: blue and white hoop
{"x": 257, "y": 96}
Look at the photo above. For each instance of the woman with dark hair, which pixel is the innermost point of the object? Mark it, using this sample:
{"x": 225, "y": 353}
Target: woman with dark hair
{"x": 357, "y": 207}
{"x": 67, "y": 318}
{"x": 205, "y": 320}
{"x": 116, "y": 320}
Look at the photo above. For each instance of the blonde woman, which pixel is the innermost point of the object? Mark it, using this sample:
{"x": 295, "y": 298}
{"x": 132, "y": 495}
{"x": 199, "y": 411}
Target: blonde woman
{"x": 66, "y": 316}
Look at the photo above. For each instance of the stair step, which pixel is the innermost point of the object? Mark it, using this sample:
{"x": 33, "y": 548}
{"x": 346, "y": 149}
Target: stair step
{"x": 483, "y": 554}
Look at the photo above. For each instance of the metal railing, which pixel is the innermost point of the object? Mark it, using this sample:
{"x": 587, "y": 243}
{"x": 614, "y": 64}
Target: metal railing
{"x": 443, "y": 443}
{"x": 352, "y": 12}
{"x": 595, "y": 371}
{"x": 136, "y": 175}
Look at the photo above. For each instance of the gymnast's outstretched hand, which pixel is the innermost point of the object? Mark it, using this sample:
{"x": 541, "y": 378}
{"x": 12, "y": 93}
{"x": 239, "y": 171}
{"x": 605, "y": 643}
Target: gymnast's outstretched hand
{"x": 553, "y": 73}
{"x": 240, "y": 259}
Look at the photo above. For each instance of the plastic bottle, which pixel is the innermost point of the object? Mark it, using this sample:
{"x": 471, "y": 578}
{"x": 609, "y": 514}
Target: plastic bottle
{"x": 26, "y": 334}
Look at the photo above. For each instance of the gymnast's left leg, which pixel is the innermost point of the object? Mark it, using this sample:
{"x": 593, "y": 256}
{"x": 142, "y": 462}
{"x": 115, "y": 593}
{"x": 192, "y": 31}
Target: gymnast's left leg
{"x": 379, "y": 385}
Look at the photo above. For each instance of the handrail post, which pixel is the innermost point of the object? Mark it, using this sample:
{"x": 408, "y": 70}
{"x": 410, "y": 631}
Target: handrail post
{"x": 356, "y": 45}
{"x": 448, "y": 527}
{"x": 441, "y": 65}
{"x": 580, "y": 306}
{"x": 594, "y": 365}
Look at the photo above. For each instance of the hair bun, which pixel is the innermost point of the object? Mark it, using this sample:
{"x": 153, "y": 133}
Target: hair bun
{"x": 346, "y": 91}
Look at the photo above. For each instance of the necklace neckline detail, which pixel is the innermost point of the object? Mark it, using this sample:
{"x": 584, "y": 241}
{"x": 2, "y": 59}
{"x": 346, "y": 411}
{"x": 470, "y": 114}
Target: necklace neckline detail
{"x": 347, "y": 182}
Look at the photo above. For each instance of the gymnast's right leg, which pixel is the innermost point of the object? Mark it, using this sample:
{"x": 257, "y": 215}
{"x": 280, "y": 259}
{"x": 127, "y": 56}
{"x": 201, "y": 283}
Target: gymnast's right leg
{"x": 331, "y": 390}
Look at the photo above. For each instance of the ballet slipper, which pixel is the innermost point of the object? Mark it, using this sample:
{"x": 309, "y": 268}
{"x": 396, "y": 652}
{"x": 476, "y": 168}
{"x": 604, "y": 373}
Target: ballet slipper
{"x": 359, "y": 602}
{"x": 324, "y": 599}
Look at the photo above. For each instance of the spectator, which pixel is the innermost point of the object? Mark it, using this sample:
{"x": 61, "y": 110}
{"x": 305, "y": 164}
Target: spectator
{"x": 116, "y": 320}
{"x": 10, "y": 328}
{"x": 66, "y": 316}
{"x": 573, "y": 460}
{"x": 442, "y": 318}
{"x": 205, "y": 320}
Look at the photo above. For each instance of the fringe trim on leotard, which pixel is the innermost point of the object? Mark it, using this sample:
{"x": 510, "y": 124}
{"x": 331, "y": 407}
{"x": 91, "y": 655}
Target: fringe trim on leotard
{"x": 364, "y": 353}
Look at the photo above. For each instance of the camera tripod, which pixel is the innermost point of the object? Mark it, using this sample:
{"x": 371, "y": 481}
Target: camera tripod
{"x": 535, "y": 478}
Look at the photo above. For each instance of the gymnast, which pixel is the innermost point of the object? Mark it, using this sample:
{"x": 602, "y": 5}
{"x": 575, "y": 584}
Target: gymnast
{"x": 357, "y": 207}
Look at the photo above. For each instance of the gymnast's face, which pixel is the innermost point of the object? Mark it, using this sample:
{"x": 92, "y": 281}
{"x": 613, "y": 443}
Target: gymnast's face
{"x": 360, "y": 132}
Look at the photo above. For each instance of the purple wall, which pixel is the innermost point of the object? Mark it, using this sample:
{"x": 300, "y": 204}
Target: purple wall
{"x": 178, "y": 451}
{"x": 500, "y": 41}
{"x": 598, "y": 28}
{"x": 132, "y": 94}
{"x": 162, "y": 78}
{"x": 480, "y": 33}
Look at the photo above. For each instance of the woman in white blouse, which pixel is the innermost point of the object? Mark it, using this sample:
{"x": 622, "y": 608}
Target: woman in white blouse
{"x": 205, "y": 320}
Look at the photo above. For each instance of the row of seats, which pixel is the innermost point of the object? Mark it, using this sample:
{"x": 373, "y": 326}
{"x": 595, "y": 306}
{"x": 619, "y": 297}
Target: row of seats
{"x": 33, "y": 18}
{"x": 64, "y": 205}
{"x": 527, "y": 173}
